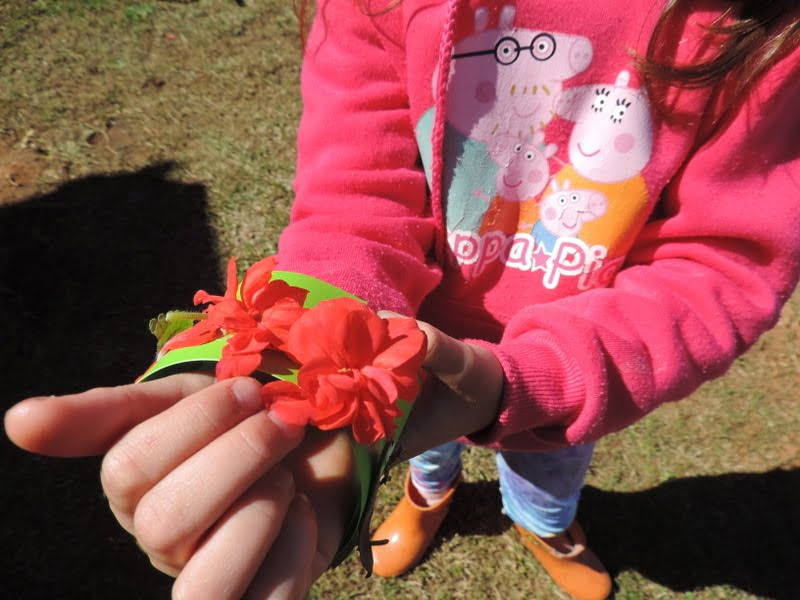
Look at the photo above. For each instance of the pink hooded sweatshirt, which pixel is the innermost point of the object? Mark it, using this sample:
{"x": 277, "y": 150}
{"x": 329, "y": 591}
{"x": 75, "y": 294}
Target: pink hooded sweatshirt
{"x": 532, "y": 201}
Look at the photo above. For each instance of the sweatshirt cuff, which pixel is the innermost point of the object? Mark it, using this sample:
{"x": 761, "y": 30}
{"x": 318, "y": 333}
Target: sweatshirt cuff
{"x": 543, "y": 397}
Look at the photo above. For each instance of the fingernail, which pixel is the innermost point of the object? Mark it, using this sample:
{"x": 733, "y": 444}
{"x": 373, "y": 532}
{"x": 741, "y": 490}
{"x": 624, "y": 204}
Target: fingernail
{"x": 23, "y": 409}
{"x": 288, "y": 429}
{"x": 247, "y": 393}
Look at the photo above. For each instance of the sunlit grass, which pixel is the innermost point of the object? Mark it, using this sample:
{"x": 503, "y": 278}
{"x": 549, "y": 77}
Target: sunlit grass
{"x": 100, "y": 86}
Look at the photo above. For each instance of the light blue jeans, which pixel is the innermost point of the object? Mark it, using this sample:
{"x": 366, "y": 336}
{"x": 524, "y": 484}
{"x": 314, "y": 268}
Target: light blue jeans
{"x": 540, "y": 490}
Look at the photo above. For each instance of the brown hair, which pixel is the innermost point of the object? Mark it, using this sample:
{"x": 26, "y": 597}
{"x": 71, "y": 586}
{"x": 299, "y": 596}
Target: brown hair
{"x": 302, "y": 9}
{"x": 750, "y": 40}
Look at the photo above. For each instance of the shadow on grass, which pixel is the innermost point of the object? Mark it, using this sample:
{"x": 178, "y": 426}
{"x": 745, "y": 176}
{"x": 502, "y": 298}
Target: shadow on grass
{"x": 740, "y": 530}
{"x": 736, "y": 529}
{"x": 82, "y": 269}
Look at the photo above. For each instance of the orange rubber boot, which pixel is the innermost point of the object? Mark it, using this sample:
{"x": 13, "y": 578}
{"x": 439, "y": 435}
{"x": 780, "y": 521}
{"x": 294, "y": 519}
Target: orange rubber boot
{"x": 409, "y": 531}
{"x": 578, "y": 572}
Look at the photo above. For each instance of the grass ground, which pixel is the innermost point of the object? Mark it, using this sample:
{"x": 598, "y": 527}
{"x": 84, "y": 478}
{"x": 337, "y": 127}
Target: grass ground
{"x": 143, "y": 142}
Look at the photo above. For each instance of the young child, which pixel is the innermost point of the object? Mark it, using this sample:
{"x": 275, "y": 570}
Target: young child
{"x": 592, "y": 208}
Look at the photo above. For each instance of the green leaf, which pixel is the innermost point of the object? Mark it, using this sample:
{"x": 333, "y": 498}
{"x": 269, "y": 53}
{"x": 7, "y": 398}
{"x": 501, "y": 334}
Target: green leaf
{"x": 166, "y": 326}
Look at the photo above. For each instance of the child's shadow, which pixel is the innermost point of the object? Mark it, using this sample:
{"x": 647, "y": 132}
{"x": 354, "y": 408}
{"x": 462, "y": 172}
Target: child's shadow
{"x": 82, "y": 269}
{"x": 737, "y": 529}
{"x": 740, "y": 530}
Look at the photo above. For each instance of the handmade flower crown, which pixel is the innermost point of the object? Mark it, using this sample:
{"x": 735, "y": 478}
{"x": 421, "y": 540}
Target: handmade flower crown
{"x": 352, "y": 366}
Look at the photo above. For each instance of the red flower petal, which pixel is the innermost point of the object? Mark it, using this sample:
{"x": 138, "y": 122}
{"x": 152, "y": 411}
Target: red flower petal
{"x": 285, "y": 399}
{"x": 231, "y": 316}
{"x": 280, "y": 318}
{"x": 381, "y": 384}
{"x": 363, "y": 333}
{"x": 351, "y": 333}
{"x": 258, "y": 300}
{"x": 407, "y": 348}
{"x": 257, "y": 279}
{"x": 240, "y": 365}
{"x": 368, "y": 427}
{"x": 241, "y": 356}
{"x": 334, "y": 414}
{"x": 202, "y": 297}
{"x": 232, "y": 284}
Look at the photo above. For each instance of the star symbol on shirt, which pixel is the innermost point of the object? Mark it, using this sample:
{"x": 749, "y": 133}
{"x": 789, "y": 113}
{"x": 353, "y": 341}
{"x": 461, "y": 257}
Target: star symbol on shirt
{"x": 539, "y": 258}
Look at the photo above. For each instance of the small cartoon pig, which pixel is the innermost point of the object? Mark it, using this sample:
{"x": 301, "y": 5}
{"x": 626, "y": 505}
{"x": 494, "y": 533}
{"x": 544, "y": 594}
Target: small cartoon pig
{"x": 523, "y": 170}
{"x": 522, "y": 174}
{"x": 564, "y": 211}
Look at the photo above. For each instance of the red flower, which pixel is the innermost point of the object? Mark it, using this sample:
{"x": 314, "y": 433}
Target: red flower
{"x": 259, "y": 320}
{"x": 354, "y": 368}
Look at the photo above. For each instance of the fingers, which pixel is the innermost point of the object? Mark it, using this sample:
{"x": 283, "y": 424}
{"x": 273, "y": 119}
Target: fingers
{"x": 463, "y": 396}
{"x": 289, "y": 570}
{"x": 89, "y": 423}
{"x": 151, "y": 450}
{"x": 172, "y": 517}
{"x": 226, "y": 562}
{"x": 471, "y": 371}
{"x": 243, "y": 543}
{"x": 325, "y": 472}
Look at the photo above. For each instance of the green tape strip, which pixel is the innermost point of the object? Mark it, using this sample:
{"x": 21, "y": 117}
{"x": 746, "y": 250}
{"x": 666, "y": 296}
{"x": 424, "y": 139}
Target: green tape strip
{"x": 371, "y": 461}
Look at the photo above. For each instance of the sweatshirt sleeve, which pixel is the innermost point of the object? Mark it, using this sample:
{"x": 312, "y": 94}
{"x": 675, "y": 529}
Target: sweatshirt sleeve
{"x": 702, "y": 283}
{"x": 361, "y": 218}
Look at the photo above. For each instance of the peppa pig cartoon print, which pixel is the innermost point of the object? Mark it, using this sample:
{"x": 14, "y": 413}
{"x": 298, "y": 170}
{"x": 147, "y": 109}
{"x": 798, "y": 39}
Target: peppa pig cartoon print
{"x": 506, "y": 85}
{"x": 565, "y": 210}
{"x": 503, "y": 86}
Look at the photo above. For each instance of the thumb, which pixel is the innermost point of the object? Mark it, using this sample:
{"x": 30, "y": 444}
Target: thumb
{"x": 471, "y": 371}
{"x": 463, "y": 396}
{"x": 89, "y": 423}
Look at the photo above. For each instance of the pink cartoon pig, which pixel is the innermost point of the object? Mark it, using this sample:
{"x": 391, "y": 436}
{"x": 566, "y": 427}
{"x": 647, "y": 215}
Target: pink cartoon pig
{"x": 506, "y": 80}
{"x": 612, "y": 139}
{"x": 522, "y": 173}
{"x": 523, "y": 170}
{"x": 564, "y": 211}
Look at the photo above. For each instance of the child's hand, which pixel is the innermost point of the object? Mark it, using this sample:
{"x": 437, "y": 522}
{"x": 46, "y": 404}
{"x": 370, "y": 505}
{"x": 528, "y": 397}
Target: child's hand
{"x": 216, "y": 491}
{"x": 463, "y": 396}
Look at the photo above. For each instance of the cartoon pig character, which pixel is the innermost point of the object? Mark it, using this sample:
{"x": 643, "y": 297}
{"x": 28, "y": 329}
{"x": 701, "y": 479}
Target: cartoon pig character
{"x": 503, "y": 85}
{"x": 506, "y": 80}
{"x": 613, "y": 135}
{"x": 522, "y": 174}
{"x": 523, "y": 170}
{"x": 609, "y": 146}
{"x": 564, "y": 211}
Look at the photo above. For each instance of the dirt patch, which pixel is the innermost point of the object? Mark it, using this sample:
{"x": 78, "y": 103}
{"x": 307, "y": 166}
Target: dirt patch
{"x": 20, "y": 170}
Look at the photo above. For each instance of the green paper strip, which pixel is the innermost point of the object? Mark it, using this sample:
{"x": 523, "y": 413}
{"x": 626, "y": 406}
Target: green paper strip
{"x": 371, "y": 461}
